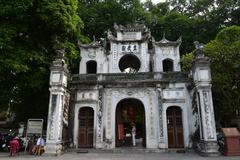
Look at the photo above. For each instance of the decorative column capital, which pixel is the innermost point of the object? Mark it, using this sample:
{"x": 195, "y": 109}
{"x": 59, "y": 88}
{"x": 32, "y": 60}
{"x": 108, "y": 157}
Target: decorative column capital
{"x": 59, "y": 71}
{"x": 201, "y": 67}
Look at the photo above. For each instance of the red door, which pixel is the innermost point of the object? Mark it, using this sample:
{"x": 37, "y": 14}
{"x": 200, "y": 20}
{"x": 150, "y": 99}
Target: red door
{"x": 86, "y": 117}
{"x": 175, "y": 128}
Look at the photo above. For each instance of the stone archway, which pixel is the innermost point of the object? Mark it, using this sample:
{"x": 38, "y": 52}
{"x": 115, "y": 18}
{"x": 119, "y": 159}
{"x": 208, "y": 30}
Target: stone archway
{"x": 129, "y": 111}
{"x": 175, "y": 127}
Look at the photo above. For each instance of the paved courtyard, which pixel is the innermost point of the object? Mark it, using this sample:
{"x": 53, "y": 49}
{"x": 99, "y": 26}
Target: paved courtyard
{"x": 119, "y": 156}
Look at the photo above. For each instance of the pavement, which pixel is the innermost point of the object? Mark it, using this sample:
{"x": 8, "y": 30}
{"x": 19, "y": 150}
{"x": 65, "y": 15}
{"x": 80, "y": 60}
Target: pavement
{"x": 117, "y": 156}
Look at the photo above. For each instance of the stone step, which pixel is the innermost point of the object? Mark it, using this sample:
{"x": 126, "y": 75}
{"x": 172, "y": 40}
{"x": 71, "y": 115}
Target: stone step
{"x": 131, "y": 150}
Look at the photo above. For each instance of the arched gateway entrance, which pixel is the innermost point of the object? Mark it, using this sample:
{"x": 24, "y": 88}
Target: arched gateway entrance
{"x": 86, "y": 123}
{"x": 130, "y": 111}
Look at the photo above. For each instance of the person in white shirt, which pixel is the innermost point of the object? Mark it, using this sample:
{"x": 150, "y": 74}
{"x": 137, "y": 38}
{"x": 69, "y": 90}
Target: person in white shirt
{"x": 40, "y": 141}
{"x": 40, "y": 146}
{"x": 133, "y": 134}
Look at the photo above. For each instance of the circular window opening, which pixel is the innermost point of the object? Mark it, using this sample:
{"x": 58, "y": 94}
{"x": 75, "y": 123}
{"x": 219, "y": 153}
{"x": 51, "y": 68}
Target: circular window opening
{"x": 129, "y": 64}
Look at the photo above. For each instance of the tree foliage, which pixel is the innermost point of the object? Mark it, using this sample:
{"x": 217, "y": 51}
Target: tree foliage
{"x": 224, "y": 52}
{"x": 30, "y": 30}
{"x": 99, "y": 16}
{"x": 193, "y": 20}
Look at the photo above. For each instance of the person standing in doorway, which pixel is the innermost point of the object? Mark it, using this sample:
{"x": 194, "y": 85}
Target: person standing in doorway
{"x": 133, "y": 131}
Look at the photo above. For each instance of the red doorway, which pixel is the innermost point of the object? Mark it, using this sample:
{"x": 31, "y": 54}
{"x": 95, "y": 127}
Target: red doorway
{"x": 130, "y": 111}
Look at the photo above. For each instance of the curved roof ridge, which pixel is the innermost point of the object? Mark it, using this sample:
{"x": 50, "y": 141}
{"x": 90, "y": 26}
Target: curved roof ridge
{"x": 93, "y": 44}
{"x": 165, "y": 42}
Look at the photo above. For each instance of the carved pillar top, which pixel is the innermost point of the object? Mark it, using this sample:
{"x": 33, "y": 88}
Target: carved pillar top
{"x": 59, "y": 62}
{"x": 200, "y": 58}
{"x": 59, "y": 71}
{"x": 201, "y": 66}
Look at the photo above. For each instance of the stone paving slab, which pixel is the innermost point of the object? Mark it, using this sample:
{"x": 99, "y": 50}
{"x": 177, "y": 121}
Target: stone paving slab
{"x": 117, "y": 156}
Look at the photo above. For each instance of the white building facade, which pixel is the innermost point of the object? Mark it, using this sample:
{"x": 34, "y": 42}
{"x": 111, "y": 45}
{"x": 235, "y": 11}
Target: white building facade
{"x": 131, "y": 79}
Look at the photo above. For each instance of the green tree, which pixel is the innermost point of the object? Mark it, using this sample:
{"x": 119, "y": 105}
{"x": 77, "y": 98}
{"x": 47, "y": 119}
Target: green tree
{"x": 175, "y": 25}
{"x": 99, "y": 16}
{"x": 224, "y": 52}
{"x": 30, "y": 31}
{"x": 179, "y": 5}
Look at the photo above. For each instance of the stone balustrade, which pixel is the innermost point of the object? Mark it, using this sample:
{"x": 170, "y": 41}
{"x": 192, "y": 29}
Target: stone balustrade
{"x": 128, "y": 77}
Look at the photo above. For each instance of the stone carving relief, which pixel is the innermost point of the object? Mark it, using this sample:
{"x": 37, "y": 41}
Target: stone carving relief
{"x": 109, "y": 121}
{"x": 115, "y": 56}
{"x": 173, "y": 94}
{"x": 52, "y": 115}
{"x": 160, "y": 114}
{"x": 144, "y": 56}
{"x": 92, "y": 54}
{"x": 166, "y": 51}
{"x": 59, "y": 122}
{"x": 208, "y": 120}
{"x": 86, "y": 96}
{"x": 128, "y": 48}
{"x": 151, "y": 118}
{"x": 137, "y": 93}
{"x": 66, "y": 108}
{"x": 130, "y": 36}
{"x": 100, "y": 110}
{"x": 56, "y": 77}
{"x": 203, "y": 74}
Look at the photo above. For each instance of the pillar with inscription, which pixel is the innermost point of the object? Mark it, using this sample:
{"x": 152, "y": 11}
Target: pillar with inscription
{"x": 99, "y": 118}
{"x": 58, "y": 90}
{"x": 162, "y": 143}
{"x": 207, "y": 144}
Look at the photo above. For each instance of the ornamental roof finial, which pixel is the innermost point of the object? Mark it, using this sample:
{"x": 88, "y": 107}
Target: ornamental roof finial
{"x": 164, "y": 35}
{"x": 199, "y": 49}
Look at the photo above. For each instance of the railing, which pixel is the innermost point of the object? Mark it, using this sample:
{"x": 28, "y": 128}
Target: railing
{"x": 84, "y": 77}
{"x": 127, "y": 76}
{"x": 112, "y": 77}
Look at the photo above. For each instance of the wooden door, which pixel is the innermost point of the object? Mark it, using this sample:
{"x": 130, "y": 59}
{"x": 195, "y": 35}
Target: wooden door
{"x": 86, "y": 120}
{"x": 175, "y": 128}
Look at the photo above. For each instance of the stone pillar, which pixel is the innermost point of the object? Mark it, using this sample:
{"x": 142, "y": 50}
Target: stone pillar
{"x": 162, "y": 143}
{"x": 58, "y": 86}
{"x": 207, "y": 144}
{"x": 99, "y": 118}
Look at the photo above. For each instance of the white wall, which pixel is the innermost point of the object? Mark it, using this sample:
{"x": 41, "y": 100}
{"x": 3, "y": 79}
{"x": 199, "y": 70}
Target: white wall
{"x": 96, "y": 54}
{"x": 177, "y": 95}
{"x": 116, "y": 54}
{"x": 162, "y": 53}
{"x": 90, "y": 99}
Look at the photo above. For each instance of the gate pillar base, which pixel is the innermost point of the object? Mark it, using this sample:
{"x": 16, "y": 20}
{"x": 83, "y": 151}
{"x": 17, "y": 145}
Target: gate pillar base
{"x": 208, "y": 148}
{"x": 54, "y": 149}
